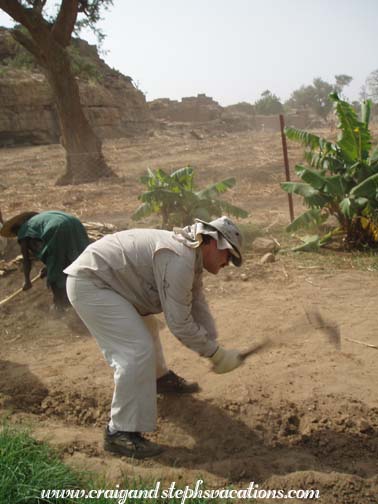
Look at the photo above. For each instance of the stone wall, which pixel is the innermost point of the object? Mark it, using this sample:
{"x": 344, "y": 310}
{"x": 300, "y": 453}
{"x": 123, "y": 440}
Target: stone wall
{"x": 200, "y": 108}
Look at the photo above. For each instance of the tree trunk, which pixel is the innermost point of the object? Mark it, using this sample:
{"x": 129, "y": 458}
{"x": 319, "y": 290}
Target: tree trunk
{"x": 48, "y": 43}
{"x": 85, "y": 161}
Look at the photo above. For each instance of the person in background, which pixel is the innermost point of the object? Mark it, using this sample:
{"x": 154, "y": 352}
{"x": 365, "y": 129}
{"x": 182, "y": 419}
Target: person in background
{"x": 54, "y": 237}
{"x": 117, "y": 285}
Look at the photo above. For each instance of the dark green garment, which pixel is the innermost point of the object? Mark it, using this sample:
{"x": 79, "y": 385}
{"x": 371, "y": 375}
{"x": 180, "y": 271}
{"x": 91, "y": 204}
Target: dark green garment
{"x": 63, "y": 239}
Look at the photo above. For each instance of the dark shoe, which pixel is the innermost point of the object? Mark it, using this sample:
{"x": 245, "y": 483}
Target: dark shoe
{"x": 130, "y": 444}
{"x": 171, "y": 383}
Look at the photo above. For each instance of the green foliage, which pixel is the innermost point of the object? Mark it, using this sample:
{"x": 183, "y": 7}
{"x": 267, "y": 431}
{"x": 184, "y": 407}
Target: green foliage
{"x": 28, "y": 467}
{"x": 342, "y": 80}
{"x": 89, "y": 13}
{"x": 83, "y": 66}
{"x": 316, "y": 96}
{"x": 174, "y": 199}
{"x": 341, "y": 179}
{"x": 268, "y": 104}
{"x": 19, "y": 58}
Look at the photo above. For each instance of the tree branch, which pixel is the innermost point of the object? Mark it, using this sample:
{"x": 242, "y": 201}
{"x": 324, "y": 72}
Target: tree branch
{"x": 17, "y": 12}
{"x": 29, "y": 45}
{"x": 39, "y": 5}
{"x": 65, "y": 22}
{"x": 29, "y": 18}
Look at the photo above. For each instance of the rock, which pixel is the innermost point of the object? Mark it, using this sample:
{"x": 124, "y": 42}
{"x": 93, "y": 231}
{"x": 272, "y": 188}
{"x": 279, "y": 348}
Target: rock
{"x": 244, "y": 277}
{"x": 113, "y": 105}
{"x": 267, "y": 258}
{"x": 364, "y": 426}
{"x": 264, "y": 245}
{"x": 290, "y": 425}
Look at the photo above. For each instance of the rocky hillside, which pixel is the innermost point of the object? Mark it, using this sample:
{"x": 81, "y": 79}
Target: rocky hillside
{"x": 111, "y": 102}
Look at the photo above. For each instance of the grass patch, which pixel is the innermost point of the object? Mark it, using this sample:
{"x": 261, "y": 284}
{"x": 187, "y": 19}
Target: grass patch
{"x": 28, "y": 467}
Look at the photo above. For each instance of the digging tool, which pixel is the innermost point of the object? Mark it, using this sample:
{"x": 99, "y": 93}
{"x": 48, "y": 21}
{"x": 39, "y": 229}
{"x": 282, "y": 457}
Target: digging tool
{"x": 18, "y": 291}
{"x": 257, "y": 347}
{"x": 331, "y": 330}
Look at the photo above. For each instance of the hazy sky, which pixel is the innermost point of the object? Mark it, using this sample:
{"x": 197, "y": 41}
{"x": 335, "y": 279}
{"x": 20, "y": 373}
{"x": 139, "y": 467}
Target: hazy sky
{"x": 233, "y": 50}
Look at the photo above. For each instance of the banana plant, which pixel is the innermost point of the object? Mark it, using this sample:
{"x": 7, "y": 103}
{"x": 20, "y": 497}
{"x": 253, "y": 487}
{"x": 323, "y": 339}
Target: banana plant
{"x": 340, "y": 180}
{"x": 174, "y": 198}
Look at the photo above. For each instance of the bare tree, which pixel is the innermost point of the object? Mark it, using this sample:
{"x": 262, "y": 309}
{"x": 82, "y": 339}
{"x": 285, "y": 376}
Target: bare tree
{"x": 47, "y": 36}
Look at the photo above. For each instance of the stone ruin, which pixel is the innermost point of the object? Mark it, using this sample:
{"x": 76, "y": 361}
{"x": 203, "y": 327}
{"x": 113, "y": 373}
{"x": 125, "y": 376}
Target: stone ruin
{"x": 203, "y": 109}
{"x": 200, "y": 108}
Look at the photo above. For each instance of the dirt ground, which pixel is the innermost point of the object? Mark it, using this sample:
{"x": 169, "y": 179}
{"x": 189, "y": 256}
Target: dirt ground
{"x": 301, "y": 414}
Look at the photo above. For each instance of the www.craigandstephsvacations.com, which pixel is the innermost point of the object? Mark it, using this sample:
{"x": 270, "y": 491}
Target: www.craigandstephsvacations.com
{"x": 121, "y": 495}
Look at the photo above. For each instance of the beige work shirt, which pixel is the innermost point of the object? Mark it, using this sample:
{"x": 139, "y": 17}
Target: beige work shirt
{"x": 155, "y": 273}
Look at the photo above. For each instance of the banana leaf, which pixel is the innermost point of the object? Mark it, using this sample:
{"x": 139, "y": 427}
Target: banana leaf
{"x": 144, "y": 210}
{"x": 307, "y": 219}
{"x": 309, "y": 139}
{"x": 312, "y": 197}
{"x": 218, "y": 188}
{"x": 311, "y": 244}
{"x": 311, "y": 177}
{"x": 346, "y": 207}
{"x": 184, "y": 177}
{"x": 336, "y": 186}
{"x": 160, "y": 197}
{"x": 355, "y": 140}
{"x": 366, "y": 111}
{"x": 230, "y": 209}
{"x": 367, "y": 188}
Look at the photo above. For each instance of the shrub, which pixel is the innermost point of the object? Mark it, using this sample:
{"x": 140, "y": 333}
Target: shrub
{"x": 341, "y": 179}
{"x": 173, "y": 197}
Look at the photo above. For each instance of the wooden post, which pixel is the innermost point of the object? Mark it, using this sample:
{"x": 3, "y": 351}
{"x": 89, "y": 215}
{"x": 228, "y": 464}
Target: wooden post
{"x": 286, "y": 162}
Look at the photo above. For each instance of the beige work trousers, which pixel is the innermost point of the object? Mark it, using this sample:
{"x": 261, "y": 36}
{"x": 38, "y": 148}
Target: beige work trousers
{"x": 130, "y": 344}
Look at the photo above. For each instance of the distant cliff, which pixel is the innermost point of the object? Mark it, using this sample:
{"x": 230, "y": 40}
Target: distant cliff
{"x": 111, "y": 102}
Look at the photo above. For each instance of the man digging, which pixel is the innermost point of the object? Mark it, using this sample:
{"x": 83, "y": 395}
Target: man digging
{"x": 56, "y": 238}
{"x": 117, "y": 285}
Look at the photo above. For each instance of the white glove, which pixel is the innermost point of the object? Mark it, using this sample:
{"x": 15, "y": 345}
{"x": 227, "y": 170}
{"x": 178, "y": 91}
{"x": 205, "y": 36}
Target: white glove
{"x": 225, "y": 361}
